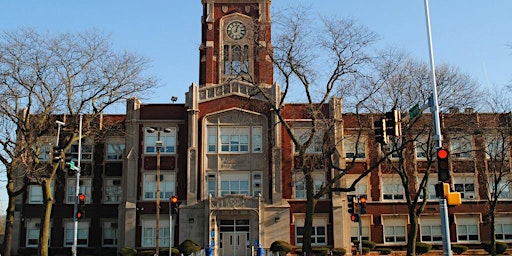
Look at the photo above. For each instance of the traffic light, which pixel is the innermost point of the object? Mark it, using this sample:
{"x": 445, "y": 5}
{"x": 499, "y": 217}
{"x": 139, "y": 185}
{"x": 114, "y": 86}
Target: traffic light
{"x": 362, "y": 204}
{"x": 354, "y": 217}
{"x": 443, "y": 166}
{"x": 174, "y": 205}
{"x": 380, "y": 131}
{"x": 351, "y": 204}
{"x": 56, "y": 155}
{"x": 393, "y": 126}
{"x": 81, "y": 205}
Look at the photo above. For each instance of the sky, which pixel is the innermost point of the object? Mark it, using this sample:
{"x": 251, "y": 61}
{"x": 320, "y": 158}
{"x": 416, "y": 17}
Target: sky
{"x": 473, "y": 35}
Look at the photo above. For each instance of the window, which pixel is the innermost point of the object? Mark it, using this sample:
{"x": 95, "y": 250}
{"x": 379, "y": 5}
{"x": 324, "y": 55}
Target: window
{"x": 234, "y": 184}
{"x": 465, "y": 185}
{"x": 318, "y": 234}
{"x": 35, "y": 193}
{"x": 115, "y": 151}
{"x": 235, "y": 139}
{"x": 365, "y": 228}
{"x": 503, "y": 188}
{"x": 236, "y": 59}
{"x": 149, "y": 233}
{"x": 110, "y": 233}
{"x": 355, "y": 148}
{"x": 430, "y": 186}
{"x": 82, "y": 234}
{"x": 421, "y": 147}
{"x": 430, "y": 229}
{"x": 85, "y": 188}
{"x": 300, "y": 183}
{"x": 394, "y": 230}
{"x": 361, "y": 186}
{"x": 392, "y": 188}
{"x": 33, "y": 232}
{"x": 461, "y": 146}
{"x": 302, "y": 135}
{"x": 113, "y": 191}
{"x": 167, "y": 186}
{"x": 467, "y": 228}
{"x": 86, "y": 152}
{"x": 167, "y": 137}
{"x": 44, "y": 152}
{"x": 503, "y": 228}
{"x": 496, "y": 146}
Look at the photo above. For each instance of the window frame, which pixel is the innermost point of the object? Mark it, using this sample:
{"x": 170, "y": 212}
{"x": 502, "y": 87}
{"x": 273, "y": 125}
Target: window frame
{"x": 168, "y": 137}
{"x": 461, "y": 146}
{"x": 109, "y": 188}
{"x": 394, "y": 180}
{"x": 85, "y": 188}
{"x": 472, "y": 221}
{"x": 319, "y": 226}
{"x": 503, "y": 227}
{"x": 302, "y": 134}
{"x": 149, "y": 226}
{"x": 114, "y": 151}
{"x": 83, "y": 227}
{"x": 461, "y": 181}
{"x": 147, "y": 189}
{"x": 432, "y": 223}
{"x": 395, "y": 223}
{"x": 114, "y": 226}
{"x": 319, "y": 181}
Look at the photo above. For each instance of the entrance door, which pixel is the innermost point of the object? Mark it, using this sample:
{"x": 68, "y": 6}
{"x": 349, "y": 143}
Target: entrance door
{"x": 234, "y": 238}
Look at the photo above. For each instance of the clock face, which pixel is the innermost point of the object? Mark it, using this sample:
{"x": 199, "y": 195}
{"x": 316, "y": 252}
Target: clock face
{"x": 236, "y": 30}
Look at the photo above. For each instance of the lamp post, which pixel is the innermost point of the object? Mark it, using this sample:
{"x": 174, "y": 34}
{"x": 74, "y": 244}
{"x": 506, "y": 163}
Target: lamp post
{"x": 158, "y": 146}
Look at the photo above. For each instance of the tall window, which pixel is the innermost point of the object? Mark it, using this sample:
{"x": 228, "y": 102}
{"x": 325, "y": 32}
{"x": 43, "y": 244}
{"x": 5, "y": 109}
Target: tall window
{"x": 392, "y": 188}
{"x": 461, "y": 146}
{"x": 167, "y": 186}
{"x": 318, "y": 234}
{"x": 113, "y": 191}
{"x": 35, "y": 194}
{"x": 361, "y": 186}
{"x": 235, "y": 139}
{"x": 430, "y": 186}
{"x": 149, "y": 233}
{"x": 234, "y": 184}
{"x": 503, "y": 228}
{"x": 85, "y": 188}
{"x": 83, "y": 233}
{"x": 236, "y": 59}
{"x": 467, "y": 228}
{"x": 86, "y": 152}
{"x": 354, "y": 229}
{"x": 430, "y": 229}
{"x": 502, "y": 188}
{"x": 110, "y": 233}
{"x": 167, "y": 137}
{"x": 300, "y": 184}
{"x": 496, "y": 146}
{"x": 355, "y": 147}
{"x": 302, "y": 135}
{"x": 115, "y": 151}
{"x": 421, "y": 147}
{"x": 33, "y": 232}
{"x": 394, "y": 230}
{"x": 44, "y": 152}
{"x": 465, "y": 185}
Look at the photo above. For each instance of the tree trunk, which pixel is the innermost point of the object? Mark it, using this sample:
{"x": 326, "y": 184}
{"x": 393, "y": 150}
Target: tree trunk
{"x": 45, "y": 218}
{"x": 412, "y": 235}
{"x": 9, "y": 219}
{"x": 310, "y": 209}
{"x": 491, "y": 223}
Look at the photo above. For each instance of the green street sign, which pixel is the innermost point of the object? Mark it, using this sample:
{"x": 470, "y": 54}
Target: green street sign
{"x": 414, "y": 111}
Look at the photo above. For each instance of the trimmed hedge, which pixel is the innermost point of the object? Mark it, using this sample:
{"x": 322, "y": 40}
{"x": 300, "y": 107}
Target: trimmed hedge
{"x": 384, "y": 251}
{"x": 422, "y": 248}
{"x": 188, "y": 247}
{"x": 318, "y": 251}
{"x": 459, "y": 248}
{"x": 339, "y": 251}
{"x": 281, "y": 247}
{"x": 126, "y": 251}
{"x": 501, "y": 247}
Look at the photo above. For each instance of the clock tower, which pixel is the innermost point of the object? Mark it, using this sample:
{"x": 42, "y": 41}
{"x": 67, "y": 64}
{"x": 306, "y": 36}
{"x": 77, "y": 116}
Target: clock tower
{"x": 235, "y": 42}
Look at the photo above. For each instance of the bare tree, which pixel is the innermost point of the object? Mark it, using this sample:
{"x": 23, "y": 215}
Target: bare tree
{"x": 45, "y": 76}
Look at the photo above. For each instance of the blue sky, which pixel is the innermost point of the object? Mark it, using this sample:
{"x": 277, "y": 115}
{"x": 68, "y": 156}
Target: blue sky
{"x": 470, "y": 34}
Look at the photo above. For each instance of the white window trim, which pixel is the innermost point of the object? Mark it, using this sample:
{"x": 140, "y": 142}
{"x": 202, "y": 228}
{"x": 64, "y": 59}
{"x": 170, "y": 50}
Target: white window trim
{"x": 394, "y": 221}
{"x": 115, "y": 149}
{"x": 396, "y": 182}
{"x": 170, "y": 133}
{"x": 106, "y": 224}
{"x": 68, "y": 229}
{"x": 163, "y": 234}
{"x": 319, "y": 221}
{"x": 319, "y": 178}
{"x": 109, "y": 183}
{"x": 468, "y": 220}
{"x": 85, "y": 188}
{"x": 166, "y": 176}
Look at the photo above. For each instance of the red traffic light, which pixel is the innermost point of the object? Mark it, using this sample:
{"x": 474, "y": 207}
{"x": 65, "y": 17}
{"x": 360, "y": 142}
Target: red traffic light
{"x": 442, "y": 153}
{"x": 362, "y": 199}
{"x": 174, "y": 199}
{"x": 79, "y": 215}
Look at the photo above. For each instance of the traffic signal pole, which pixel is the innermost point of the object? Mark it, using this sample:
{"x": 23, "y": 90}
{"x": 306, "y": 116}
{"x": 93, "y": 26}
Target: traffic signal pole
{"x": 77, "y": 192}
{"x": 434, "y": 109}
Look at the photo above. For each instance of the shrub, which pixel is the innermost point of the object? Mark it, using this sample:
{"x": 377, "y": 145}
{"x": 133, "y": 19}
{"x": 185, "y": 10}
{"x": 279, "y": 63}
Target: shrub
{"x": 501, "y": 247}
{"x": 422, "y": 248}
{"x": 385, "y": 251}
{"x": 126, "y": 251}
{"x": 175, "y": 252}
{"x": 282, "y": 247}
{"x": 459, "y": 248}
{"x": 369, "y": 244}
{"x": 339, "y": 251}
{"x": 188, "y": 247}
{"x": 320, "y": 251}
{"x": 366, "y": 250}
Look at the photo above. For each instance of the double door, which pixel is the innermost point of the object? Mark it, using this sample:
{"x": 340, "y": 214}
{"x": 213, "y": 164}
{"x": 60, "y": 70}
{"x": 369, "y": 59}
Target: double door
{"x": 235, "y": 238}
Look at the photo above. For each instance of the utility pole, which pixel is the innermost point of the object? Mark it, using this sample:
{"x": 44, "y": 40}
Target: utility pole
{"x": 77, "y": 191}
